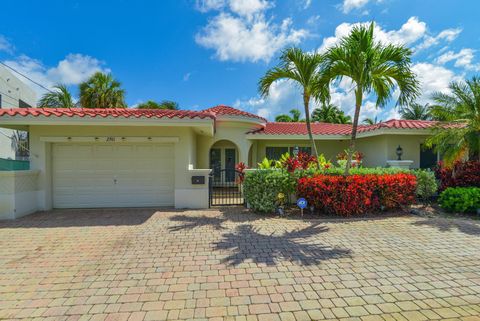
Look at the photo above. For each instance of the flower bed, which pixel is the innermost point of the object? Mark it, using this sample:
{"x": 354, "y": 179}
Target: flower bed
{"x": 358, "y": 194}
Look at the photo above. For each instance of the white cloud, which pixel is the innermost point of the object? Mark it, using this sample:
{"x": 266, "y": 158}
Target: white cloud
{"x": 72, "y": 70}
{"x": 207, "y": 5}
{"x": 284, "y": 96}
{"x": 307, "y": 4}
{"x": 463, "y": 59}
{"x": 349, "y": 5}
{"x": 433, "y": 78}
{"x": 245, "y": 8}
{"x": 187, "y": 76}
{"x": 410, "y": 32}
{"x": 5, "y": 45}
{"x": 237, "y": 39}
{"x": 242, "y": 32}
{"x": 248, "y": 8}
{"x": 447, "y": 35}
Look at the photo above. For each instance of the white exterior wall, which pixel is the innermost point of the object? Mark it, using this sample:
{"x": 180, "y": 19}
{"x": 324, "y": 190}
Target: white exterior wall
{"x": 12, "y": 90}
{"x": 225, "y": 131}
{"x": 18, "y": 193}
{"x": 184, "y": 149}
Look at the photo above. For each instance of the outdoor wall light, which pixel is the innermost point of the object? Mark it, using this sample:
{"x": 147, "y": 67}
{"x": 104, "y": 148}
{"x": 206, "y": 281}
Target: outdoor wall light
{"x": 296, "y": 150}
{"x": 399, "y": 152}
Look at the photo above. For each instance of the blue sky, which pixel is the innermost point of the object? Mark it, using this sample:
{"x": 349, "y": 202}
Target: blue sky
{"x": 201, "y": 53}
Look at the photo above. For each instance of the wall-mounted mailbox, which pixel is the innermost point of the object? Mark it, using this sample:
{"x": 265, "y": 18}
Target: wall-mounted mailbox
{"x": 198, "y": 180}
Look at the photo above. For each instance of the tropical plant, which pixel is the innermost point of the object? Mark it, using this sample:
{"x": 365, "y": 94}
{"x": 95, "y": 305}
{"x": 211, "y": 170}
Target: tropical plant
{"x": 329, "y": 113}
{"x": 427, "y": 185}
{"x": 102, "y": 91}
{"x": 357, "y": 194}
{"x": 59, "y": 97}
{"x": 284, "y": 118}
{"x": 302, "y": 69}
{"x": 165, "y": 104}
{"x": 370, "y": 121}
{"x": 458, "y": 134}
{"x": 373, "y": 67}
{"x": 460, "y": 199}
{"x": 415, "y": 111}
{"x": 261, "y": 188}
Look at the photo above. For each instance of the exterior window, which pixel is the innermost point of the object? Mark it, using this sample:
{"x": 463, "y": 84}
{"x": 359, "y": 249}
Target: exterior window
{"x": 23, "y": 104}
{"x": 275, "y": 152}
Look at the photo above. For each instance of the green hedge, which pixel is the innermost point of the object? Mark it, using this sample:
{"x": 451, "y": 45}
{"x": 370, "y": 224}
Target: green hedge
{"x": 460, "y": 199}
{"x": 261, "y": 188}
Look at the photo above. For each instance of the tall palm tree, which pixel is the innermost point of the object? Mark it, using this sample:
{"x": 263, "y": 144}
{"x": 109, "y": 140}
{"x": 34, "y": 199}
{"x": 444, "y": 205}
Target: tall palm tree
{"x": 284, "y": 118}
{"x": 416, "y": 111}
{"x": 329, "y": 113}
{"x": 102, "y": 91}
{"x": 165, "y": 104}
{"x": 458, "y": 134}
{"x": 371, "y": 121}
{"x": 59, "y": 97}
{"x": 373, "y": 67}
{"x": 302, "y": 69}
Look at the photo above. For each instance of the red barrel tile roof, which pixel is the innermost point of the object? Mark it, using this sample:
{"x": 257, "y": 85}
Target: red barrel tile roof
{"x": 101, "y": 112}
{"x": 275, "y": 128}
{"x": 227, "y": 110}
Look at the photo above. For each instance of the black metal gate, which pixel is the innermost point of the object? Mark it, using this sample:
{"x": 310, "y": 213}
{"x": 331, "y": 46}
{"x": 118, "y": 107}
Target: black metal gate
{"x": 225, "y": 188}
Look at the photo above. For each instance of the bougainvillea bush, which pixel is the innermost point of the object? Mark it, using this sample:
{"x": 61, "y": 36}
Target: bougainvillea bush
{"x": 358, "y": 194}
{"x": 461, "y": 174}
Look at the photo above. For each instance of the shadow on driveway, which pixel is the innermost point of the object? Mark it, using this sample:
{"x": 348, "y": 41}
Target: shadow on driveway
{"x": 83, "y": 217}
{"x": 446, "y": 225}
{"x": 247, "y": 244}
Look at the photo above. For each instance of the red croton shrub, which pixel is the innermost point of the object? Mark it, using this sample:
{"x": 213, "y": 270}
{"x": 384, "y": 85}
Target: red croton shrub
{"x": 358, "y": 194}
{"x": 461, "y": 174}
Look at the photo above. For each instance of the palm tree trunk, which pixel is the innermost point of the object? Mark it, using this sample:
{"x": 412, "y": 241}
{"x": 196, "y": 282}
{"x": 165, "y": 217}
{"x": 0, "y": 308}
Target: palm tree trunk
{"x": 306, "y": 103}
{"x": 351, "y": 148}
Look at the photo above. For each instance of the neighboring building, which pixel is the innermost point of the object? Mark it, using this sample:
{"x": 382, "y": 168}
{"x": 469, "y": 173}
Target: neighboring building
{"x": 13, "y": 94}
{"x": 130, "y": 157}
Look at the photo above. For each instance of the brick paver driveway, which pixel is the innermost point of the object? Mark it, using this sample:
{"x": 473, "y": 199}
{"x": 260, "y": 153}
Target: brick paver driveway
{"x": 142, "y": 265}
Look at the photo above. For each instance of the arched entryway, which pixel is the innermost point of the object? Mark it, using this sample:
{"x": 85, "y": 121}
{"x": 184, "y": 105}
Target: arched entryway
{"x": 224, "y": 187}
{"x": 223, "y": 156}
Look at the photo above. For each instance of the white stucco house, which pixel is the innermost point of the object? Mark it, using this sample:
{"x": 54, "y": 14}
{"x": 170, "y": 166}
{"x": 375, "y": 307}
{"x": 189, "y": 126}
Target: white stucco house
{"x": 89, "y": 158}
{"x": 13, "y": 94}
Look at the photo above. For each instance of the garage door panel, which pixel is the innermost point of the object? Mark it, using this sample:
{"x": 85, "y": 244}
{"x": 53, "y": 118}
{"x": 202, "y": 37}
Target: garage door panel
{"x": 113, "y": 175}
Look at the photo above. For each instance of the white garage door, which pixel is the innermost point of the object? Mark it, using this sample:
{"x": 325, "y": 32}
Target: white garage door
{"x": 113, "y": 175}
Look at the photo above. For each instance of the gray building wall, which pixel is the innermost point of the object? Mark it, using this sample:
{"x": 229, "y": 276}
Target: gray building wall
{"x": 14, "y": 93}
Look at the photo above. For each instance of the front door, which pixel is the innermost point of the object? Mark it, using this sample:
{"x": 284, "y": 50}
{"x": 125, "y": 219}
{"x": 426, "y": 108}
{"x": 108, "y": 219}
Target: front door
{"x": 428, "y": 157}
{"x": 216, "y": 163}
{"x": 230, "y": 164}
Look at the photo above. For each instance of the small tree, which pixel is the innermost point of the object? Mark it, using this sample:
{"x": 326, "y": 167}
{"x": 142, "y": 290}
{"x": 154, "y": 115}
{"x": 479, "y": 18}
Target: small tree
{"x": 284, "y": 118}
{"x": 329, "y": 113}
{"x": 165, "y": 104}
{"x": 102, "y": 91}
{"x": 458, "y": 133}
{"x": 416, "y": 112}
{"x": 302, "y": 69}
{"x": 373, "y": 67}
{"x": 59, "y": 97}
